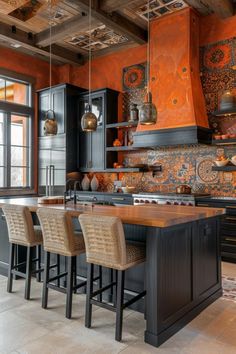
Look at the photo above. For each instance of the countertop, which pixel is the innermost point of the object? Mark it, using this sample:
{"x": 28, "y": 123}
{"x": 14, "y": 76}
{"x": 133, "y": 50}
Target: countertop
{"x": 146, "y": 215}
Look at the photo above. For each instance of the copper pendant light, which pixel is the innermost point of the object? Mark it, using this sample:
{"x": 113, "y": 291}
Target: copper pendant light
{"x": 148, "y": 111}
{"x": 89, "y": 120}
{"x": 50, "y": 124}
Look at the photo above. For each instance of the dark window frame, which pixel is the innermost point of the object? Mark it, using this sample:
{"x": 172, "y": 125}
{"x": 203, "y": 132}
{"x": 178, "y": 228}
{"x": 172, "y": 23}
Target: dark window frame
{"x": 10, "y": 108}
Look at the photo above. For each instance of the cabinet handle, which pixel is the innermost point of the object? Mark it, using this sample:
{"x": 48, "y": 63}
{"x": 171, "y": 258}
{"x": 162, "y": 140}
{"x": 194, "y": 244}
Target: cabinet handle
{"x": 230, "y": 218}
{"x": 231, "y": 206}
{"x": 230, "y": 239}
{"x": 116, "y": 198}
{"x": 206, "y": 205}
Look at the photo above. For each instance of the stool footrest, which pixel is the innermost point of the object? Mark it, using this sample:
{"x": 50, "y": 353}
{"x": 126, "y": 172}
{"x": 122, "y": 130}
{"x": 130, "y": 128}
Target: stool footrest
{"x": 134, "y": 299}
{"x": 103, "y": 305}
{"x": 99, "y": 291}
{"x": 58, "y": 276}
{"x": 55, "y": 287}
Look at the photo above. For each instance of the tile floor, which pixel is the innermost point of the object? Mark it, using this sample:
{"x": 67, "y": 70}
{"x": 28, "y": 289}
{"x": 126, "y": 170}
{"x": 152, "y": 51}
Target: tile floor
{"x": 26, "y": 328}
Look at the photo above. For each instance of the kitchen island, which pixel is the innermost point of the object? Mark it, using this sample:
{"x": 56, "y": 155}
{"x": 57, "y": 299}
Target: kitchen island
{"x": 183, "y": 273}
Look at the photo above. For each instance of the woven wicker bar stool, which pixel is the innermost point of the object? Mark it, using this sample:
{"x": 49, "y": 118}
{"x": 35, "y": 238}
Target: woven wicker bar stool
{"x": 60, "y": 238}
{"x": 106, "y": 246}
{"x": 21, "y": 231}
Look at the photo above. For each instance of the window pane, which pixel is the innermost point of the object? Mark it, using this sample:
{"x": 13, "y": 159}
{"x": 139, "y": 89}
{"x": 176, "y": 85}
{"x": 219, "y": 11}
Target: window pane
{"x": 2, "y": 159}
{"x": 2, "y": 90}
{"x": 2, "y": 174}
{"x": 20, "y": 130}
{"x": 17, "y": 92}
{"x": 2, "y": 128}
{"x": 20, "y": 156}
{"x": 20, "y": 177}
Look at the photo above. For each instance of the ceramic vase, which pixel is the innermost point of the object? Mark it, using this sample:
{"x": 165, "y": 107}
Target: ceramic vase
{"x": 94, "y": 183}
{"x": 85, "y": 183}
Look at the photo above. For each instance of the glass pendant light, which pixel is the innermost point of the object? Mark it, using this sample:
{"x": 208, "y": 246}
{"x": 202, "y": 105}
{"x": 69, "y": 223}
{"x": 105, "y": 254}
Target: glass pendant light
{"x": 148, "y": 111}
{"x": 50, "y": 124}
{"x": 89, "y": 120}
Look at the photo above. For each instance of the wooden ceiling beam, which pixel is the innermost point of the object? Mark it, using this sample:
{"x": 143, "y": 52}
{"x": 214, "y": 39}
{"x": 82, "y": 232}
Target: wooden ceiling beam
{"x": 77, "y": 23}
{"x": 27, "y": 40}
{"x": 116, "y": 22}
{"x": 114, "y": 5}
{"x": 223, "y": 8}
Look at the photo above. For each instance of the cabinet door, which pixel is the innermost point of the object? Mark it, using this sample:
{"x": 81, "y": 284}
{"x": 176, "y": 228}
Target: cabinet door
{"x": 92, "y": 144}
{"x": 44, "y": 104}
{"x": 206, "y": 255}
{"x": 58, "y": 104}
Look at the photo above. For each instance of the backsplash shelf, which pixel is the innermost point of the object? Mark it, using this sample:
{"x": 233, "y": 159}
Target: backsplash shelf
{"x": 121, "y": 125}
{"x": 229, "y": 168}
{"x": 224, "y": 142}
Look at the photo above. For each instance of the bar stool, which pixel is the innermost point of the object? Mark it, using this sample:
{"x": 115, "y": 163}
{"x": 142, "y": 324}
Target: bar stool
{"x": 106, "y": 246}
{"x": 21, "y": 231}
{"x": 60, "y": 238}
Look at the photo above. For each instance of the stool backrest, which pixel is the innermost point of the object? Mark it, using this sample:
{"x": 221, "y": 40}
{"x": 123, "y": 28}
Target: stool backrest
{"x": 19, "y": 224}
{"x": 58, "y": 231}
{"x": 104, "y": 240}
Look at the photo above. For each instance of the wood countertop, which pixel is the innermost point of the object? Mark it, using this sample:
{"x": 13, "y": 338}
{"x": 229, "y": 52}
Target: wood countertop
{"x": 146, "y": 215}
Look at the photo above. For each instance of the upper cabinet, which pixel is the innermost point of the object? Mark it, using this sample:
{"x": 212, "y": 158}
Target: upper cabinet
{"x": 91, "y": 147}
{"x": 58, "y": 154}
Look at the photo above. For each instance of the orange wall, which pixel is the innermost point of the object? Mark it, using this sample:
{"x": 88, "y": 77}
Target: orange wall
{"x": 214, "y": 29}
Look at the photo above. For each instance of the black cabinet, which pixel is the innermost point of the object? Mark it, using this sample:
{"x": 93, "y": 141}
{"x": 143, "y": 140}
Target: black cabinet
{"x": 92, "y": 152}
{"x": 227, "y": 226}
{"x": 58, "y": 154}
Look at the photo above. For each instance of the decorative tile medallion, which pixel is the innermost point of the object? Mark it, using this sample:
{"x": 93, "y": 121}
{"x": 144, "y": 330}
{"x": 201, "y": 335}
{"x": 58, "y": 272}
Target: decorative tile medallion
{"x": 135, "y": 77}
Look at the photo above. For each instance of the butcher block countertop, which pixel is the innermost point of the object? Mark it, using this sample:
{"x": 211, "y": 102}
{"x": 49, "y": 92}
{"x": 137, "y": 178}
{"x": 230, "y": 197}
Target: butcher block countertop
{"x": 146, "y": 215}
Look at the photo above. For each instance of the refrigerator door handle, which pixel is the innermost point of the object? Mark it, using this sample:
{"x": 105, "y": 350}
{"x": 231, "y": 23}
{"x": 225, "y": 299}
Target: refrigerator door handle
{"x": 47, "y": 186}
{"x": 53, "y": 178}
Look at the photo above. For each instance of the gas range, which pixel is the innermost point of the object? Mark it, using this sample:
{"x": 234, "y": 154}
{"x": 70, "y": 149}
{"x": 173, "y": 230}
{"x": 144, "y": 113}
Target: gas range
{"x": 167, "y": 198}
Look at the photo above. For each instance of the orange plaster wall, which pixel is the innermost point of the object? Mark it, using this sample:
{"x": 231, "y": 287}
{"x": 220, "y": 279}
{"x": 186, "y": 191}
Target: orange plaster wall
{"x": 214, "y": 29}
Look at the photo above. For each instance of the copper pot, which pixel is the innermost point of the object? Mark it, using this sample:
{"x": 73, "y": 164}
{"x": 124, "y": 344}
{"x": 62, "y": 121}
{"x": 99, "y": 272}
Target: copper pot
{"x": 183, "y": 189}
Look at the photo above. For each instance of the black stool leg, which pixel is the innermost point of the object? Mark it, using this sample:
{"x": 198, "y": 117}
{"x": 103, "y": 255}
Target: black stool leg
{"x": 28, "y": 273}
{"x": 58, "y": 269}
{"x": 45, "y": 279}
{"x": 75, "y": 272}
{"x": 89, "y": 291}
{"x": 119, "y": 304}
{"x": 38, "y": 263}
{"x": 116, "y": 279}
{"x": 69, "y": 287}
{"x": 99, "y": 297}
{"x": 11, "y": 265}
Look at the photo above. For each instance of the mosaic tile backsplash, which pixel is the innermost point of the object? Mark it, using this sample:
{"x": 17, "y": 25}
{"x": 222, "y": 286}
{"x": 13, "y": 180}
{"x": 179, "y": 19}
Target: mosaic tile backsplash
{"x": 190, "y": 165}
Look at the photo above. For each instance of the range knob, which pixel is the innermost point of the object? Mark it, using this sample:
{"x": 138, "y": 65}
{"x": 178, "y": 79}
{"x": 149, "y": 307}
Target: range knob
{"x": 190, "y": 204}
{"x": 176, "y": 203}
{"x": 141, "y": 201}
{"x": 136, "y": 201}
{"x": 182, "y": 203}
{"x": 154, "y": 202}
{"x": 168, "y": 203}
{"x": 147, "y": 201}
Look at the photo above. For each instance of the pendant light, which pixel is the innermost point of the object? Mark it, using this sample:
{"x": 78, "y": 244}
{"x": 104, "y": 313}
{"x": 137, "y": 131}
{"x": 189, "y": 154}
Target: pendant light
{"x": 50, "y": 124}
{"x": 148, "y": 111}
{"x": 89, "y": 120}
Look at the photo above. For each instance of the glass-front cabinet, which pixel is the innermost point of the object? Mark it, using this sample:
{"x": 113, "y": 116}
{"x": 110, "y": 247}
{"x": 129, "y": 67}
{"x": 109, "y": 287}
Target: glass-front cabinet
{"x": 91, "y": 147}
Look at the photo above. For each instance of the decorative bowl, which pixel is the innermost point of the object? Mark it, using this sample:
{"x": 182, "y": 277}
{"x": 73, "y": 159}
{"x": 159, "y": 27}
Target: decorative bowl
{"x": 233, "y": 160}
{"x": 128, "y": 189}
{"x": 222, "y": 163}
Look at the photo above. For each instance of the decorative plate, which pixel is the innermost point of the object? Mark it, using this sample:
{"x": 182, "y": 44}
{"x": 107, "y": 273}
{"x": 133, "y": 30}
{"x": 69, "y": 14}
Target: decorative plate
{"x": 205, "y": 173}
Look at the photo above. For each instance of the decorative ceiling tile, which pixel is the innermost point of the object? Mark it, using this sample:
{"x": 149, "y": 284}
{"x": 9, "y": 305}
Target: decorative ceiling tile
{"x": 158, "y": 8}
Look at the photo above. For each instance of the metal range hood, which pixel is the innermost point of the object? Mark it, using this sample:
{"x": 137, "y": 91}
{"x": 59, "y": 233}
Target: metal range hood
{"x": 172, "y": 137}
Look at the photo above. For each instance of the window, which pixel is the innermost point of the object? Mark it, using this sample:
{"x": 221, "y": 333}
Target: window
{"x": 16, "y": 113}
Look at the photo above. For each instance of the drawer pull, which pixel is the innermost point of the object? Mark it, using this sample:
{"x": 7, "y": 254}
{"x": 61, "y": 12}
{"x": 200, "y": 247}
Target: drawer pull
{"x": 231, "y": 206}
{"x": 117, "y": 198}
{"x": 230, "y": 239}
{"x": 205, "y": 205}
{"x": 230, "y": 218}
